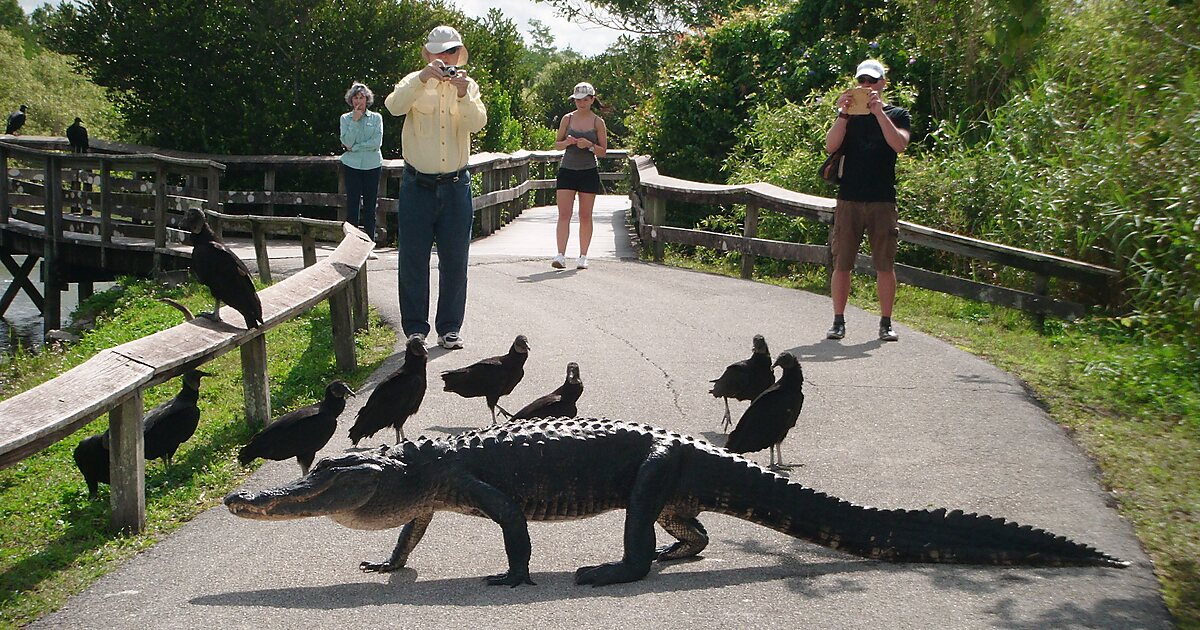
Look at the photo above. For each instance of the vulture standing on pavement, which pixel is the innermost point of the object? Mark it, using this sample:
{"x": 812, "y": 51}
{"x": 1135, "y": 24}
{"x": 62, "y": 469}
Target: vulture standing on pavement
{"x": 16, "y": 120}
{"x": 745, "y": 380}
{"x": 300, "y": 433}
{"x": 225, "y": 275}
{"x": 164, "y": 428}
{"x": 396, "y": 398}
{"x": 558, "y": 403}
{"x": 492, "y": 377}
{"x": 77, "y": 136}
{"x": 768, "y": 419}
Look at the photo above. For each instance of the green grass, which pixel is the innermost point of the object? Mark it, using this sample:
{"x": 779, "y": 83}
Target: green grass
{"x": 55, "y": 542}
{"x": 1132, "y": 405}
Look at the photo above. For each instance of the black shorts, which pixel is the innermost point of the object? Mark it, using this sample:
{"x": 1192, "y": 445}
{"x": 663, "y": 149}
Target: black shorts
{"x": 587, "y": 181}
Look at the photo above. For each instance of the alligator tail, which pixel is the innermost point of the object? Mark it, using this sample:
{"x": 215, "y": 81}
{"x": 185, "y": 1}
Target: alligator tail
{"x": 899, "y": 535}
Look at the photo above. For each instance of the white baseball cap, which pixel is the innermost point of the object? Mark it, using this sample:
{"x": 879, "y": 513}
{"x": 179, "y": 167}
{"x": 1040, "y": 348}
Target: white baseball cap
{"x": 583, "y": 89}
{"x": 871, "y": 68}
{"x": 443, "y": 38}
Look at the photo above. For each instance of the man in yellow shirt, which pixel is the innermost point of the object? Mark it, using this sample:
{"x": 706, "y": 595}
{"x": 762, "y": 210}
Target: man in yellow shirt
{"x": 442, "y": 108}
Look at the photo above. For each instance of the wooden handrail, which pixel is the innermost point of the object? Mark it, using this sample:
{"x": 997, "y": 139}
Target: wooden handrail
{"x": 34, "y": 419}
{"x": 651, "y": 189}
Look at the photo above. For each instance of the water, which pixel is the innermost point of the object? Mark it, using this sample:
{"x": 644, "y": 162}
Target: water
{"x": 21, "y": 325}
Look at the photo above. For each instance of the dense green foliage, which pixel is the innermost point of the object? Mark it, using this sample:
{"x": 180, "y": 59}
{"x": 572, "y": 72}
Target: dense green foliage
{"x": 53, "y": 90}
{"x": 55, "y": 542}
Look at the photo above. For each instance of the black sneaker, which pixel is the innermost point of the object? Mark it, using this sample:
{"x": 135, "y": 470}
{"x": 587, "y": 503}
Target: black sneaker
{"x": 886, "y": 333}
{"x": 836, "y": 332}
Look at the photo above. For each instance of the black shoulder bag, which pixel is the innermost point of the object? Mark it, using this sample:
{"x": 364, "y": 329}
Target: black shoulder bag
{"x": 831, "y": 170}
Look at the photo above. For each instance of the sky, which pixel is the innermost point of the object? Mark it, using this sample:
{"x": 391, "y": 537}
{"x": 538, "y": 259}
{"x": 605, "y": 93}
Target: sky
{"x": 585, "y": 39}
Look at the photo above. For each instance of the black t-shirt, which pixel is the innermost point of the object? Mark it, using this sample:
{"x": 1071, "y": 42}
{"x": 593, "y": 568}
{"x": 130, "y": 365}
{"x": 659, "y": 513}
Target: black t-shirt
{"x": 869, "y": 173}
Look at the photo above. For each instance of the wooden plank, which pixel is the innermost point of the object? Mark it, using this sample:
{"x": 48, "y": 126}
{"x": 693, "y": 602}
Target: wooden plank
{"x": 256, "y": 388}
{"x": 36, "y": 418}
{"x": 127, "y": 465}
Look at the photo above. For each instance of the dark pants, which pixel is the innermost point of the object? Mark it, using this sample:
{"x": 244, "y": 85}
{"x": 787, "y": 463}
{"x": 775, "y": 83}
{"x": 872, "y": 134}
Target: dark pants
{"x": 433, "y": 211}
{"x": 361, "y": 190}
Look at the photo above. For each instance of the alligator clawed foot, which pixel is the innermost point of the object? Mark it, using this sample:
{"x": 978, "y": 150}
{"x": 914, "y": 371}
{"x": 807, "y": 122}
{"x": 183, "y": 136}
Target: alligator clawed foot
{"x": 510, "y": 578}
{"x": 666, "y": 553}
{"x": 379, "y": 567}
{"x": 609, "y": 573}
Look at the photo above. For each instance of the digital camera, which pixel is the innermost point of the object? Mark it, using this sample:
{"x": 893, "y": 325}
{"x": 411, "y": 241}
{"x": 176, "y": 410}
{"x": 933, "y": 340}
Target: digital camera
{"x": 449, "y": 70}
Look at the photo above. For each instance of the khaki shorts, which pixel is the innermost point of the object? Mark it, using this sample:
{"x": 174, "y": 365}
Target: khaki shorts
{"x": 879, "y": 220}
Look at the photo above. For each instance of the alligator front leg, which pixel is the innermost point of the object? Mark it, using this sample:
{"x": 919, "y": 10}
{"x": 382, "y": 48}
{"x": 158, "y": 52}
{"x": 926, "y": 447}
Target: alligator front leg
{"x": 651, "y": 488}
{"x": 410, "y": 535}
{"x": 501, "y": 508}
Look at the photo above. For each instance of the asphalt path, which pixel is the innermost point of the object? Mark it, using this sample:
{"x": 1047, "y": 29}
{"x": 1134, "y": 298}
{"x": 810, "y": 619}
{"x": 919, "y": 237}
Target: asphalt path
{"x": 912, "y": 424}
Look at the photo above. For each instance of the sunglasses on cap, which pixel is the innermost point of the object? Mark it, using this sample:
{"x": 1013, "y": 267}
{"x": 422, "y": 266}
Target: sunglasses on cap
{"x": 867, "y": 79}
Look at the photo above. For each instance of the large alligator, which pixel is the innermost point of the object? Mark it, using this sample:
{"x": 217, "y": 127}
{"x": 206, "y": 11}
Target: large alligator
{"x": 560, "y": 469}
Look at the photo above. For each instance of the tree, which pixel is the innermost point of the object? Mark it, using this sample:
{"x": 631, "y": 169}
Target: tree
{"x": 257, "y": 76}
{"x": 11, "y": 15}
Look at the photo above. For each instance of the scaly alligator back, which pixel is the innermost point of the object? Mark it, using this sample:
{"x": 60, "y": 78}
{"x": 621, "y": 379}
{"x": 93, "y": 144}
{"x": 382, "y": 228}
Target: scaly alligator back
{"x": 746, "y": 490}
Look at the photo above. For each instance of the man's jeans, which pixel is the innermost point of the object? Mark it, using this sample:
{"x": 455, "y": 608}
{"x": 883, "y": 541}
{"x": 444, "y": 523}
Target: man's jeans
{"x": 361, "y": 188}
{"x": 433, "y": 212}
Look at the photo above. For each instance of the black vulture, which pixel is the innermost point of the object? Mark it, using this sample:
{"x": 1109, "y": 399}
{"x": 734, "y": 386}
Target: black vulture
{"x": 172, "y": 423}
{"x": 492, "y": 377}
{"x": 91, "y": 456}
{"x": 396, "y": 398}
{"x": 745, "y": 380}
{"x": 77, "y": 136}
{"x": 16, "y": 120}
{"x": 166, "y": 427}
{"x": 300, "y": 433}
{"x": 225, "y": 275}
{"x": 558, "y": 403}
{"x": 769, "y": 418}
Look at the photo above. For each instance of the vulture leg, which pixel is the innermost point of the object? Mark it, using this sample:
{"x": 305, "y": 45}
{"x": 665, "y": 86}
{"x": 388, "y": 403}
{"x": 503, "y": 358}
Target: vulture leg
{"x": 727, "y": 420}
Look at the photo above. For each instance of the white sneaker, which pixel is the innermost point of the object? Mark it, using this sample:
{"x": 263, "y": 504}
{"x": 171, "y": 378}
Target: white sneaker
{"x": 582, "y": 263}
{"x": 418, "y": 336}
{"x": 450, "y": 341}
{"x": 559, "y": 262}
{"x": 371, "y": 256}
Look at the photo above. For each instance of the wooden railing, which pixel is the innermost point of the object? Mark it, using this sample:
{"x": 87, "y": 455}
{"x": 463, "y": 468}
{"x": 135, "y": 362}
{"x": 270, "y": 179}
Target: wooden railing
{"x": 113, "y": 380}
{"x": 649, "y": 192}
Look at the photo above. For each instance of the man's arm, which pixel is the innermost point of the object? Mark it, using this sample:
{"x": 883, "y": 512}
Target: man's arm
{"x": 472, "y": 110}
{"x": 407, "y": 90}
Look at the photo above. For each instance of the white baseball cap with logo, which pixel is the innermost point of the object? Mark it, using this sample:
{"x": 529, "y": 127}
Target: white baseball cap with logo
{"x": 443, "y": 38}
{"x": 583, "y": 89}
{"x": 870, "y": 68}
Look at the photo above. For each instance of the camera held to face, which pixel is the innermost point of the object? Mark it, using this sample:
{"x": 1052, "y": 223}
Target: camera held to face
{"x": 449, "y": 71}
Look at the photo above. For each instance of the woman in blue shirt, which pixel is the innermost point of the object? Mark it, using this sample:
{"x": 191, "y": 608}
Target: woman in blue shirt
{"x": 361, "y": 135}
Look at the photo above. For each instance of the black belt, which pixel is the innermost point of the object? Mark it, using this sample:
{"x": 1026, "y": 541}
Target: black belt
{"x": 431, "y": 181}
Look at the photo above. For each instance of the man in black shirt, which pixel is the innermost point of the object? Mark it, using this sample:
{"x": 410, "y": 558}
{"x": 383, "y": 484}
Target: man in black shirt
{"x": 866, "y": 200}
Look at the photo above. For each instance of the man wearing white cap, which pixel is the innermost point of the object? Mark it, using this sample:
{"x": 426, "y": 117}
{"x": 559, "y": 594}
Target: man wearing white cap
{"x": 442, "y": 108}
{"x": 866, "y": 199}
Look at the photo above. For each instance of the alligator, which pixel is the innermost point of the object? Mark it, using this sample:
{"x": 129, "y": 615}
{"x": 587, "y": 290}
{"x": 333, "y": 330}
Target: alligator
{"x": 562, "y": 469}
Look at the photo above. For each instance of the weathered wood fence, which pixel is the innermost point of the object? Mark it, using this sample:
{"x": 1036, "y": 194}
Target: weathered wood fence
{"x": 650, "y": 191}
{"x": 113, "y": 380}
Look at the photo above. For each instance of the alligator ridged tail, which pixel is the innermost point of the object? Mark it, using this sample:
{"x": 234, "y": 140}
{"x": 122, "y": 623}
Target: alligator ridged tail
{"x": 899, "y": 535}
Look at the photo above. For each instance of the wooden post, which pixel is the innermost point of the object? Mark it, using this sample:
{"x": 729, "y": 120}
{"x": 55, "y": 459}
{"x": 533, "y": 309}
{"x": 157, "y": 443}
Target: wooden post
{"x": 341, "y": 174}
{"x": 343, "y": 329}
{"x": 5, "y": 209}
{"x": 308, "y": 246}
{"x": 655, "y": 212}
{"x": 260, "y": 251}
{"x": 106, "y": 205}
{"x": 256, "y": 390}
{"x": 86, "y": 290}
{"x": 160, "y": 214}
{"x": 358, "y": 295}
{"x": 269, "y": 190}
{"x": 52, "y": 313}
{"x": 1041, "y": 286}
{"x": 214, "y": 200}
{"x": 749, "y": 231}
{"x": 127, "y": 465}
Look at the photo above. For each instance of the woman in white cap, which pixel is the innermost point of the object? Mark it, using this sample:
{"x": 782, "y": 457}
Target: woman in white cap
{"x": 362, "y": 162}
{"x": 441, "y": 108}
{"x": 582, "y": 137}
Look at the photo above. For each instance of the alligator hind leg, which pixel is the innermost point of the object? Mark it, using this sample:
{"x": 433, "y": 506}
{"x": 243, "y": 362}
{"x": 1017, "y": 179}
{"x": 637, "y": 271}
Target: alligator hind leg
{"x": 507, "y": 513}
{"x": 689, "y": 533}
{"x": 651, "y": 488}
{"x": 409, "y": 537}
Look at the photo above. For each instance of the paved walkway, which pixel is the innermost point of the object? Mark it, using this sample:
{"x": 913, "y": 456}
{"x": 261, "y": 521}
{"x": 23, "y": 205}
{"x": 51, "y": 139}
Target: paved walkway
{"x": 911, "y": 424}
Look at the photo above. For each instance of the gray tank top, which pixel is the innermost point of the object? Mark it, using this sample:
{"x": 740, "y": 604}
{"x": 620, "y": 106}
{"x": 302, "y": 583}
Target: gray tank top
{"x": 576, "y": 159}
